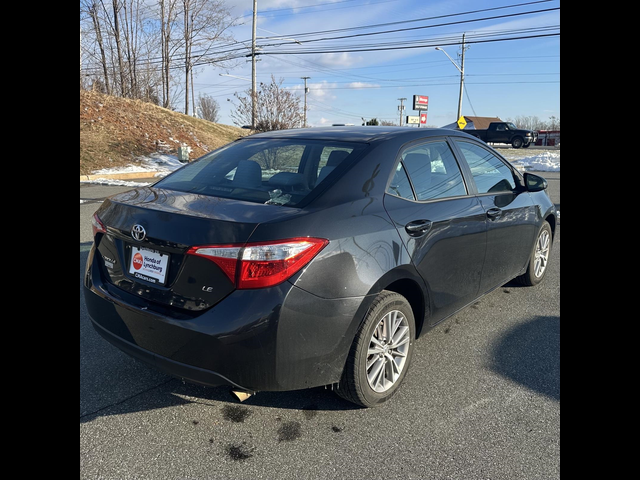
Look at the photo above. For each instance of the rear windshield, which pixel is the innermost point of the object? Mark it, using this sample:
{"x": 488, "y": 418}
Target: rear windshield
{"x": 271, "y": 171}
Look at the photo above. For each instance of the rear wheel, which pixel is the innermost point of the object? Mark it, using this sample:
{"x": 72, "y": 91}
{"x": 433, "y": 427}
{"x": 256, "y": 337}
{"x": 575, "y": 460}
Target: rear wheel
{"x": 381, "y": 352}
{"x": 539, "y": 258}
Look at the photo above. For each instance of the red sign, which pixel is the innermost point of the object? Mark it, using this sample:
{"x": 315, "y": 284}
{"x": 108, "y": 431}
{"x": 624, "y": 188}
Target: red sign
{"x": 137, "y": 261}
{"x": 423, "y": 119}
{"x": 420, "y": 102}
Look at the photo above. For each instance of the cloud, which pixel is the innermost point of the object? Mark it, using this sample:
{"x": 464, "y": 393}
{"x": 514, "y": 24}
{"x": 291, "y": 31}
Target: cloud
{"x": 317, "y": 90}
{"x": 332, "y": 60}
{"x": 357, "y": 85}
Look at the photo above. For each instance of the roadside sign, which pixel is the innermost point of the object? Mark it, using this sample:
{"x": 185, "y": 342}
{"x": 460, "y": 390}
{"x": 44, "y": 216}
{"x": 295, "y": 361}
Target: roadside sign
{"x": 413, "y": 119}
{"x": 462, "y": 123}
{"x": 423, "y": 118}
{"x": 420, "y": 102}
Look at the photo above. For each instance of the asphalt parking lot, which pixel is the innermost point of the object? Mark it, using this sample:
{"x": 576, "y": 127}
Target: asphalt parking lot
{"x": 481, "y": 401}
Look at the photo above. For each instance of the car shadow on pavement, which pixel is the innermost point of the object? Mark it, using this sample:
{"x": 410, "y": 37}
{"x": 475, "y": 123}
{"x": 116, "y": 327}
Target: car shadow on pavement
{"x": 529, "y": 354}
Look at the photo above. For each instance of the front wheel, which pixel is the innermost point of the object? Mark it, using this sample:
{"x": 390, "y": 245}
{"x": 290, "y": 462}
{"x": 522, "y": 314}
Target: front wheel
{"x": 381, "y": 352}
{"x": 539, "y": 258}
{"x": 517, "y": 142}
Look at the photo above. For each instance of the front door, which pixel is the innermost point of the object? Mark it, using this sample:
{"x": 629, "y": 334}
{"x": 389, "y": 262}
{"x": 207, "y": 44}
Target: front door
{"x": 511, "y": 214}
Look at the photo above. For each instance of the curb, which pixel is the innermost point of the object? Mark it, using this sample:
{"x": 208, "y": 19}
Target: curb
{"x": 119, "y": 176}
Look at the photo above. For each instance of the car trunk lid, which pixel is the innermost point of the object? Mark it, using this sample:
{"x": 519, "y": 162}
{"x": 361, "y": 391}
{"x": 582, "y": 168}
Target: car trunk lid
{"x": 149, "y": 231}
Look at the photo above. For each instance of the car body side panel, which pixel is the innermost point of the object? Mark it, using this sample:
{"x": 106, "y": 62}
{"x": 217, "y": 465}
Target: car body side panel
{"x": 510, "y": 237}
{"x": 450, "y": 256}
{"x": 314, "y": 336}
{"x": 362, "y": 248}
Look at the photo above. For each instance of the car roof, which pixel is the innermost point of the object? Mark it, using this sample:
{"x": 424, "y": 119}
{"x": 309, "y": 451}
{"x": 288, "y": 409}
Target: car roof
{"x": 357, "y": 133}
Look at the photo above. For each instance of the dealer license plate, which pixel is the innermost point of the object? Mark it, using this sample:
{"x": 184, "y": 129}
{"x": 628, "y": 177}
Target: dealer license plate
{"x": 149, "y": 265}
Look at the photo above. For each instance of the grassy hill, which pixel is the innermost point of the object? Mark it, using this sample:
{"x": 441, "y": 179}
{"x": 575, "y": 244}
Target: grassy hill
{"x": 115, "y": 131}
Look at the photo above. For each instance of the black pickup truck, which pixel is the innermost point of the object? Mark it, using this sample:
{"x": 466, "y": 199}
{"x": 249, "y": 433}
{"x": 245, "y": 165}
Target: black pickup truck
{"x": 506, "y": 132}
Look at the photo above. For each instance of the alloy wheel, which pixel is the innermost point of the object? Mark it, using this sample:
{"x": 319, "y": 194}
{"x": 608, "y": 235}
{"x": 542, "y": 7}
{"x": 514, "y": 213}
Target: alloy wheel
{"x": 388, "y": 349}
{"x": 542, "y": 253}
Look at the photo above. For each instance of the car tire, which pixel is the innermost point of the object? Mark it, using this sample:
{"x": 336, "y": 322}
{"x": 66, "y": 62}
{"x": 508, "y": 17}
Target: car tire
{"x": 378, "y": 362}
{"x": 538, "y": 262}
{"x": 517, "y": 142}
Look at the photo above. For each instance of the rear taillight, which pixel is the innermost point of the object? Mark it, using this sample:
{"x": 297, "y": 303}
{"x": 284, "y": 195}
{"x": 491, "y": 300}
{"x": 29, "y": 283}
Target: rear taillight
{"x": 97, "y": 226}
{"x": 262, "y": 264}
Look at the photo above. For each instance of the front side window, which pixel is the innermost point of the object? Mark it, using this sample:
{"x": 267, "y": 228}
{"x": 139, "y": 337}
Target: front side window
{"x": 489, "y": 172}
{"x": 433, "y": 171}
{"x": 272, "y": 171}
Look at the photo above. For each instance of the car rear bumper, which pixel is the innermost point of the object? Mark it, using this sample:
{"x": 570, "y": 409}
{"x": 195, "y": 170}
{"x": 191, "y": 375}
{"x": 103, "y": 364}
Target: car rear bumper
{"x": 273, "y": 339}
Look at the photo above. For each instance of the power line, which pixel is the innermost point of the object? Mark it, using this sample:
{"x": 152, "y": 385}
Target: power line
{"x": 347, "y": 29}
{"x": 460, "y": 22}
{"x": 242, "y": 44}
{"x": 436, "y": 40}
{"x": 426, "y": 45}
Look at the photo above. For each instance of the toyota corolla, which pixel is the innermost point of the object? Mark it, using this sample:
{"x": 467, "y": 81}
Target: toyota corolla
{"x": 310, "y": 257}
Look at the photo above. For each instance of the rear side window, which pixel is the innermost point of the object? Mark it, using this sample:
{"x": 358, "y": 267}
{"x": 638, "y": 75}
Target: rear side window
{"x": 489, "y": 172}
{"x": 433, "y": 171}
{"x": 400, "y": 185}
{"x": 272, "y": 171}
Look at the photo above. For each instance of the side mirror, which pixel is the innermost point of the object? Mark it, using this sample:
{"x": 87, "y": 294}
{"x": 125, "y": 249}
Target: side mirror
{"x": 534, "y": 183}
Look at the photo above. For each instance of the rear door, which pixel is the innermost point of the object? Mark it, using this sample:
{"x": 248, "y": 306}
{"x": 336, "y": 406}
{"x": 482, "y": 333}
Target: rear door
{"x": 511, "y": 214}
{"x": 441, "y": 225}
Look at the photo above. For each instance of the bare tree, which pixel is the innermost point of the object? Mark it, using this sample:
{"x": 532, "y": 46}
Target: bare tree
{"x": 534, "y": 123}
{"x": 136, "y": 48}
{"x": 91, "y": 8}
{"x": 554, "y": 123}
{"x": 277, "y": 108}
{"x": 115, "y": 30}
{"x": 209, "y": 108}
{"x": 131, "y": 34}
{"x": 205, "y": 24}
{"x": 168, "y": 18}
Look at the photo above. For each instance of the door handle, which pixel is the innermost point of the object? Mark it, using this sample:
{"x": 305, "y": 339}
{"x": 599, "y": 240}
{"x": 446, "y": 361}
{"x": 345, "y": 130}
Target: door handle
{"x": 418, "y": 227}
{"x": 494, "y": 213}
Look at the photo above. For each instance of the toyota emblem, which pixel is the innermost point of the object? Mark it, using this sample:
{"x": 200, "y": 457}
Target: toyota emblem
{"x": 138, "y": 232}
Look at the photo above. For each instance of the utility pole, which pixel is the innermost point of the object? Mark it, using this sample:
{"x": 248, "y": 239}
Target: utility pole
{"x": 305, "y": 100}
{"x": 461, "y": 70}
{"x": 401, "y": 108}
{"x": 254, "y": 94}
{"x": 461, "y": 80}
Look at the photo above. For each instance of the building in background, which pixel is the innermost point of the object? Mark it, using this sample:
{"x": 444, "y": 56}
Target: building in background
{"x": 474, "y": 123}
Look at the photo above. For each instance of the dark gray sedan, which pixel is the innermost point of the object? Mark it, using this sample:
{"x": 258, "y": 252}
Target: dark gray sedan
{"x": 308, "y": 257}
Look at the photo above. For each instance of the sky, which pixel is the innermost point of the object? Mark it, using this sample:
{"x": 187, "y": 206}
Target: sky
{"x": 519, "y": 77}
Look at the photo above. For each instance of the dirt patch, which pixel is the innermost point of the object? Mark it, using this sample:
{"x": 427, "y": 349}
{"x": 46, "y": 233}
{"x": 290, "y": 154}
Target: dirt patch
{"x": 115, "y": 131}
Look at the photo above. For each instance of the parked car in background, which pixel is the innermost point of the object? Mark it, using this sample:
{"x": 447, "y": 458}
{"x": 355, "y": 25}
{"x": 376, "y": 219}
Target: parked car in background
{"x": 309, "y": 257}
{"x": 506, "y": 132}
